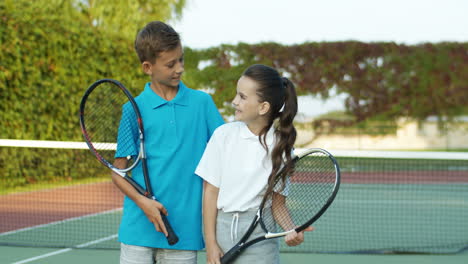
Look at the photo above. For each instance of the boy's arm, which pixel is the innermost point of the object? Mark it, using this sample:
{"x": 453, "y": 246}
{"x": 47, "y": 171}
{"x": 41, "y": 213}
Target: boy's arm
{"x": 210, "y": 212}
{"x": 151, "y": 208}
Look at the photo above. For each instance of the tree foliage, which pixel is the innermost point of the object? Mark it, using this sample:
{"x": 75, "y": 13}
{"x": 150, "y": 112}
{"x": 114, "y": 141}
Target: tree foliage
{"x": 380, "y": 80}
{"x": 126, "y": 17}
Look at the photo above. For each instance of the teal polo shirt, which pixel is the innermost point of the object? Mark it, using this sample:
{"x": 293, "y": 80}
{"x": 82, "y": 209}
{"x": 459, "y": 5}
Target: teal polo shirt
{"x": 176, "y": 134}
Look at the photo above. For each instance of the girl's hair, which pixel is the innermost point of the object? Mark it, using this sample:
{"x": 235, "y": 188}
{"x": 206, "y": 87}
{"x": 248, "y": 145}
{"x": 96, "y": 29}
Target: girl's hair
{"x": 154, "y": 38}
{"x": 280, "y": 93}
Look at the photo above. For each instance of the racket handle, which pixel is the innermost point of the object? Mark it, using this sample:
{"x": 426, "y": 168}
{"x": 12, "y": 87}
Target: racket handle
{"x": 172, "y": 238}
{"x": 135, "y": 185}
{"x": 231, "y": 254}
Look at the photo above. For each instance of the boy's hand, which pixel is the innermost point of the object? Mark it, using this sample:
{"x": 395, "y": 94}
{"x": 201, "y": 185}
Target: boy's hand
{"x": 294, "y": 238}
{"x": 213, "y": 254}
{"x": 153, "y": 210}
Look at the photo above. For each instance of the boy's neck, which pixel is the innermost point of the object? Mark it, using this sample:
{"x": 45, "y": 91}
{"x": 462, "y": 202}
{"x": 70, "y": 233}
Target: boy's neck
{"x": 166, "y": 92}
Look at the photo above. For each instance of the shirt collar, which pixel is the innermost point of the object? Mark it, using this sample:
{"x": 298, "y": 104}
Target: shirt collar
{"x": 247, "y": 134}
{"x": 156, "y": 101}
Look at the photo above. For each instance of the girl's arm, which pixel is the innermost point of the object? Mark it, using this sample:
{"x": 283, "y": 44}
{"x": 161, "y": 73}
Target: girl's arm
{"x": 285, "y": 221}
{"x": 210, "y": 212}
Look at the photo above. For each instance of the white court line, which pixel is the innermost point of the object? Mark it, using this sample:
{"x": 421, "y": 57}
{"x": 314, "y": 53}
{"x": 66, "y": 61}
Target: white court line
{"x": 59, "y": 222}
{"x": 394, "y": 154}
{"x": 407, "y": 202}
{"x": 55, "y": 144}
{"x": 57, "y": 252}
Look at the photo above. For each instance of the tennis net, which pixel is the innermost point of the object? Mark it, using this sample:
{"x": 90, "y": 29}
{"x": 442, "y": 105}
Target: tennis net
{"x": 56, "y": 194}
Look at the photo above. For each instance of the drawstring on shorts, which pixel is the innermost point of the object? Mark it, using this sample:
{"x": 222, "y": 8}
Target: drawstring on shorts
{"x": 234, "y": 226}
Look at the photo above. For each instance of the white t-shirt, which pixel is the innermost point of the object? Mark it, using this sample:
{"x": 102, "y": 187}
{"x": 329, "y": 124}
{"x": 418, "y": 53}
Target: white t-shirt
{"x": 235, "y": 162}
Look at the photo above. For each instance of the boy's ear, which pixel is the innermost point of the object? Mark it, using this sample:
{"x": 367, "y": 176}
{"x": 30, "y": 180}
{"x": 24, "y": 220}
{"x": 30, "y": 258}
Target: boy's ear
{"x": 264, "y": 108}
{"x": 146, "y": 66}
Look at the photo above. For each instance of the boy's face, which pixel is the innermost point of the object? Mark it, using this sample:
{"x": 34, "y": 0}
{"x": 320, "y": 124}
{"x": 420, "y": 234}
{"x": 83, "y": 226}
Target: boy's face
{"x": 168, "y": 68}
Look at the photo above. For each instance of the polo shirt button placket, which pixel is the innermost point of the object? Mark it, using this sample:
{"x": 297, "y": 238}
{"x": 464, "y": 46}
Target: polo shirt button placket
{"x": 171, "y": 105}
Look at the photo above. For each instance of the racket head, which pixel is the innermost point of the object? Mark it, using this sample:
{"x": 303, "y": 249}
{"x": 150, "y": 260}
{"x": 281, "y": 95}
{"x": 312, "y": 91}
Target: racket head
{"x": 111, "y": 124}
{"x": 305, "y": 195}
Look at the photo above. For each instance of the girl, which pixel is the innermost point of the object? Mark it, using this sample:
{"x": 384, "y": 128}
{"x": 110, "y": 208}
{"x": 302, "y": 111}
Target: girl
{"x": 242, "y": 157}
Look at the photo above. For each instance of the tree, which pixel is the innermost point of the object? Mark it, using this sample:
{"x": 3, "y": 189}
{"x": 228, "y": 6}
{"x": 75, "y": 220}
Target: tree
{"x": 126, "y": 17}
{"x": 382, "y": 81}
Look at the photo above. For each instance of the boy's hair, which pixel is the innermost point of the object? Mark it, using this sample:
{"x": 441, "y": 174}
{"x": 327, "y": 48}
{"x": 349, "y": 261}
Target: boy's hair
{"x": 154, "y": 38}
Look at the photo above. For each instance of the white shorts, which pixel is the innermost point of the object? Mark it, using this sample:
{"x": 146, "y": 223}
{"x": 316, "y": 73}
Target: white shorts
{"x": 144, "y": 255}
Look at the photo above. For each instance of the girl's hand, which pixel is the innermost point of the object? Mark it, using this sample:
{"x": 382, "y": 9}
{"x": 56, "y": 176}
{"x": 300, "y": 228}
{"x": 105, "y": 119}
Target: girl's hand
{"x": 213, "y": 254}
{"x": 294, "y": 238}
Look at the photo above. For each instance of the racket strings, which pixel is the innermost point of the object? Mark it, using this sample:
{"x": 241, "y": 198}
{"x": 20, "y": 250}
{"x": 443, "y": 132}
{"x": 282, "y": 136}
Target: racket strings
{"x": 109, "y": 119}
{"x": 303, "y": 195}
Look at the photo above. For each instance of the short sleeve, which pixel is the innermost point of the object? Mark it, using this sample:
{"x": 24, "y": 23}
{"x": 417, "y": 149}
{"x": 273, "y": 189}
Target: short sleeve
{"x": 285, "y": 191}
{"x": 209, "y": 167}
{"x": 127, "y": 138}
{"x": 282, "y": 187}
{"x": 213, "y": 117}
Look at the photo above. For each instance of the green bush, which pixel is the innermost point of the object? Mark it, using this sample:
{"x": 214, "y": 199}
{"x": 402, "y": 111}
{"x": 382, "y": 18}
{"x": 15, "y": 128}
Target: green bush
{"x": 25, "y": 166}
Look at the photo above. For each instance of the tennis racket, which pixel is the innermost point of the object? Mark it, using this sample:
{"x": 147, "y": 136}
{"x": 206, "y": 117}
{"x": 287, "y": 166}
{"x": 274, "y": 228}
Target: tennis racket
{"x": 109, "y": 114}
{"x": 297, "y": 202}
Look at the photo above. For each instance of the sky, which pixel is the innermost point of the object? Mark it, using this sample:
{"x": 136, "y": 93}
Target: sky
{"x": 207, "y": 23}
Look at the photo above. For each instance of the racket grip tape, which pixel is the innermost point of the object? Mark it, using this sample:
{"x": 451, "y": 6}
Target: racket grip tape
{"x": 172, "y": 238}
{"x": 231, "y": 254}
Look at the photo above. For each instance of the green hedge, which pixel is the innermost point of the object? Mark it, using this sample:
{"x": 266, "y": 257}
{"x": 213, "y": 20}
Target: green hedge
{"x": 25, "y": 166}
{"x": 48, "y": 60}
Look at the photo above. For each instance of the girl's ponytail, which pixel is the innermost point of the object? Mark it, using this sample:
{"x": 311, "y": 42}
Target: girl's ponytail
{"x": 280, "y": 93}
{"x": 285, "y": 132}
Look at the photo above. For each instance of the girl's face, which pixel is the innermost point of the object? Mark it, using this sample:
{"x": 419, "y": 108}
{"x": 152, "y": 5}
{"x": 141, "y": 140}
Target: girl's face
{"x": 247, "y": 104}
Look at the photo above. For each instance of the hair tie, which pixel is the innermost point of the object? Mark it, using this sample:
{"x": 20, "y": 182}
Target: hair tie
{"x": 281, "y": 109}
{"x": 284, "y": 82}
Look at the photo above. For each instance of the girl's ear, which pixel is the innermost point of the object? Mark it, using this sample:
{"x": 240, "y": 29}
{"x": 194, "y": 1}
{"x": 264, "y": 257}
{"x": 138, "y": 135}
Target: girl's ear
{"x": 263, "y": 108}
{"x": 146, "y": 66}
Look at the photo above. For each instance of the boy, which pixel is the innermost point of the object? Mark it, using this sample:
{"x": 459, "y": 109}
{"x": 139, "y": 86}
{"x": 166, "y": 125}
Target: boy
{"x": 178, "y": 123}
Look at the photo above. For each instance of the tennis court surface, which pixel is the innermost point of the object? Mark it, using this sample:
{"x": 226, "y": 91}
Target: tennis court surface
{"x": 389, "y": 202}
